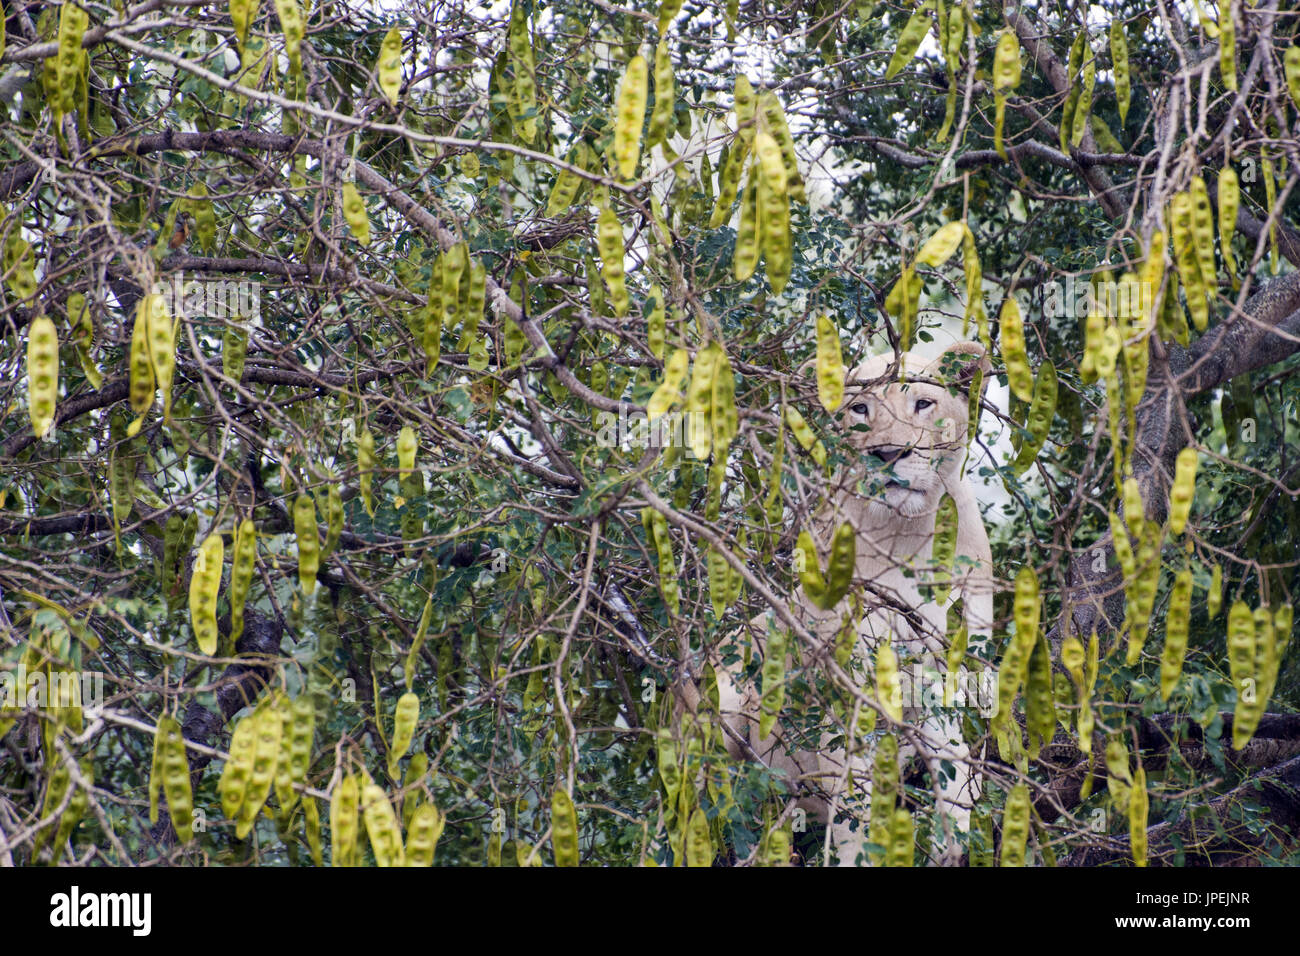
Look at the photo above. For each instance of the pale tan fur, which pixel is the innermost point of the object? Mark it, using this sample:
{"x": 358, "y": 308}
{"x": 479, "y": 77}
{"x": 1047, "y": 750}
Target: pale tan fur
{"x": 895, "y": 531}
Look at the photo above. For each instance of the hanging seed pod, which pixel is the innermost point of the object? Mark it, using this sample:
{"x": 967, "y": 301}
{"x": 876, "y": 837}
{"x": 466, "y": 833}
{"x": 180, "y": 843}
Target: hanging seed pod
{"x": 629, "y": 116}
{"x": 42, "y": 373}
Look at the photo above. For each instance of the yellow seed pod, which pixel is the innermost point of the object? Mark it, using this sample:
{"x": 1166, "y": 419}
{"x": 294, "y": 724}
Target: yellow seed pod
{"x": 406, "y": 449}
{"x": 1137, "y": 818}
{"x": 1291, "y": 67}
{"x": 238, "y": 771}
{"x": 176, "y": 778}
{"x": 774, "y": 120}
{"x": 939, "y": 248}
{"x": 354, "y": 213}
{"x": 1183, "y": 490}
{"x": 296, "y": 739}
{"x": 804, "y": 434}
{"x": 830, "y": 365}
{"x": 333, "y": 519}
{"x": 670, "y": 390}
{"x": 1175, "y": 651}
{"x": 656, "y": 321}
{"x": 901, "y": 828}
{"x": 291, "y": 23}
{"x": 699, "y": 846}
{"x": 266, "y": 755}
{"x": 344, "y": 805}
{"x": 1006, "y": 62}
{"x": 42, "y": 373}
{"x": 422, "y": 835}
{"x": 1134, "y": 511}
{"x": 388, "y": 67}
{"x": 888, "y": 688}
{"x": 1015, "y": 826}
{"x": 205, "y": 582}
{"x": 381, "y": 826}
{"x": 745, "y": 104}
{"x": 365, "y": 465}
{"x": 241, "y": 15}
{"x": 1241, "y": 667}
{"x": 162, "y": 346}
{"x": 304, "y": 527}
{"x": 1214, "y": 597}
{"x": 1227, "y": 48}
{"x": 405, "y": 718}
{"x": 564, "y": 828}
{"x": 1229, "y": 203}
{"x": 630, "y": 116}
{"x": 1019, "y": 376}
{"x": 769, "y": 158}
{"x": 1072, "y": 659}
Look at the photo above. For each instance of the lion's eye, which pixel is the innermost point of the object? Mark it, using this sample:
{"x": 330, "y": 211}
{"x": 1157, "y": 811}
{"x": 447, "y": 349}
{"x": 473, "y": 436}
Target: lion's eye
{"x": 859, "y": 408}
{"x": 923, "y": 403}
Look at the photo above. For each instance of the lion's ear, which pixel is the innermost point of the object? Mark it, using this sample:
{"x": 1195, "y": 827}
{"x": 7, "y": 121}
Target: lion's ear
{"x": 958, "y": 364}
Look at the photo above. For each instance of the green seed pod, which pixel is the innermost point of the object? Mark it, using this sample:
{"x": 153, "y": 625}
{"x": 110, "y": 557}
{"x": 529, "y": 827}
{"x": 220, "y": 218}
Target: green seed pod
{"x": 422, "y": 835}
{"x": 176, "y": 778}
{"x": 1119, "y": 64}
{"x": 333, "y": 519}
{"x": 141, "y": 388}
{"x": 42, "y": 373}
{"x": 1137, "y": 818}
{"x": 909, "y": 41}
{"x": 234, "y": 351}
{"x": 354, "y": 211}
{"x": 564, "y": 828}
{"x": 1015, "y": 826}
{"x": 884, "y": 793}
{"x": 804, "y": 434}
{"x": 205, "y": 582}
{"x": 344, "y": 806}
{"x": 241, "y": 574}
{"x": 748, "y": 244}
{"x": 609, "y": 243}
{"x": 1039, "y": 421}
{"x": 308, "y": 541}
{"x": 773, "y": 699}
{"x": 662, "y": 113}
{"x": 900, "y": 839}
{"x": 405, "y": 718}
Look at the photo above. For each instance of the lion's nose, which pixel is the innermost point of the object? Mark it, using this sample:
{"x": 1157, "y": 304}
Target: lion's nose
{"x": 890, "y": 453}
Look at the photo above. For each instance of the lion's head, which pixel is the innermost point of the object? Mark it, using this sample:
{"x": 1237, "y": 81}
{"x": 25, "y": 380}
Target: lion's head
{"x": 910, "y": 430}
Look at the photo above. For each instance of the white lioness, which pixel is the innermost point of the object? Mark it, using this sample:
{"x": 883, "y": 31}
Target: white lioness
{"x": 911, "y": 449}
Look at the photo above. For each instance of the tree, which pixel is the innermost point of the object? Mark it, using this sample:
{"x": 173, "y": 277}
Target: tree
{"x": 358, "y": 314}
